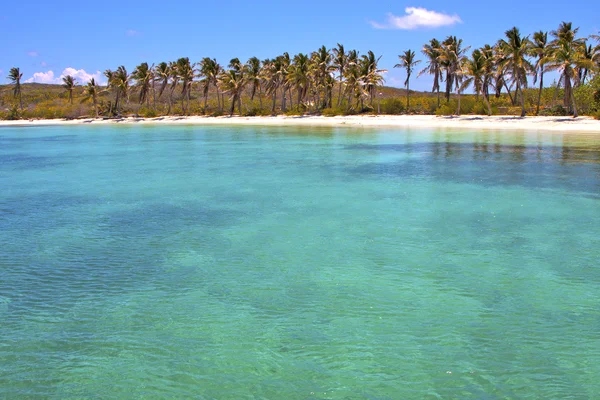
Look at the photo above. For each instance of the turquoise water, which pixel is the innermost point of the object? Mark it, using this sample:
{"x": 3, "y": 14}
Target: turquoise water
{"x": 298, "y": 263}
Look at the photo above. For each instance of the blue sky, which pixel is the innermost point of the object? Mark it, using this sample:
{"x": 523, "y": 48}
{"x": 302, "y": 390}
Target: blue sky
{"x": 83, "y": 38}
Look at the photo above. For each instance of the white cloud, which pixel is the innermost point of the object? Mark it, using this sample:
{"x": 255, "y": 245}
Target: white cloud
{"x": 417, "y": 17}
{"x": 132, "y": 32}
{"x": 80, "y": 75}
{"x": 33, "y": 54}
{"x": 43, "y": 77}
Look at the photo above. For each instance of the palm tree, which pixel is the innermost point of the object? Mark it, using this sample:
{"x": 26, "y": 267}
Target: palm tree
{"x": 475, "y": 71}
{"x": 174, "y": 77}
{"x": 253, "y": 78}
{"x": 69, "y": 85}
{"x": 540, "y": 49}
{"x": 370, "y": 74}
{"x": 516, "y": 48}
{"x": 15, "y": 76}
{"x": 207, "y": 71}
{"x": 489, "y": 66}
{"x": 566, "y": 58}
{"x": 321, "y": 61}
{"x": 299, "y": 76}
{"x": 232, "y": 81}
{"x": 185, "y": 73}
{"x": 120, "y": 81}
{"x": 162, "y": 74}
{"x": 408, "y": 62}
{"x": 91, "y": 91}
{"x": 110, "y": 86}
{"x": 451, "y": 58}
{"x": 339, "y": 62}
{"x": 143, "y": 77}
{"x": 433, "y": 51}
{"x": 353, "y": 84}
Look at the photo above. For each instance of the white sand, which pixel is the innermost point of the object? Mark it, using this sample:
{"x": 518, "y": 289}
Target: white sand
{"x": 556, "y": 124}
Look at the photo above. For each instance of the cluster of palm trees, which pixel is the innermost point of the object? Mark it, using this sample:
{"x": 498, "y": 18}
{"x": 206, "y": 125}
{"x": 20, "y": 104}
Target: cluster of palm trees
{"x": 508, "y": 63}
{"x": 307, "y": 82}
{"x": 303, "y": 81}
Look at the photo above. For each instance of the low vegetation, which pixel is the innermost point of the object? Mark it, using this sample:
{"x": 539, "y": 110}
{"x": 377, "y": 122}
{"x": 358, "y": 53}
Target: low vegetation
{"x": 333, "y": 82}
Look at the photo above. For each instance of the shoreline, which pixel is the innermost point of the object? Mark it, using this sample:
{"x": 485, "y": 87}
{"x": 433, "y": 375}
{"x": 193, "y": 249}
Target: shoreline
{"x": 552, "y": 124}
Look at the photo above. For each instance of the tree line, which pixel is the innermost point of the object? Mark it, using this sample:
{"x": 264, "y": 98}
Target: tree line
{"x": 307, "y": 82}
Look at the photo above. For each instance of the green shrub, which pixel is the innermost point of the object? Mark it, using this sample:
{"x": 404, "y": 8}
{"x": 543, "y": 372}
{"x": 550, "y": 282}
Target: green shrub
{"x": 13, "y": 113}
{"x": 147, "y": 112}
{"x": 555, "y": 111}
{"x": 332, "y": 112}
{"x": 392, "y": 106}
{"x": 445, "y": 109}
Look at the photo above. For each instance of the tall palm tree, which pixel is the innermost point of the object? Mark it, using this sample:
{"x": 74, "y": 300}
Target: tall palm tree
{"x": 121, "y": 80}
{"x": 232, "y": 81}
{"x": 474, "y": 69}
{"x": 174, "y": 78}
{"x": 162, "y": 74}
{"x": 185, "y": 73}
{"x": 451, "y": 59}
{"x": 540, "y": 48}
{"x": 340, "y": 61}
{"x": 15, "y": 76}
{"x": 567, "y": 52}
{"x": 208, "y": 73}
{"x": 110, "y": 86}
{"x": 299, "y": 76}
{"x": 322, "y": 66}
{"x": 143, "y": 77}
{"x": 370, "y": 75}
{"x": 69, "y": 85}
{"x": 516, "y": 49}
{"x": 91, "y": 91}
{"x": 433, "y": 51}
{"x": 353, "y": 84}
{"x": 408, "y": 62}
{"x": 253, "y": 77}
{"x": 489, "y": 66}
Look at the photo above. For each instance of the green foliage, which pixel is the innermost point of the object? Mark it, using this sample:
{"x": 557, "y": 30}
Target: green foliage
{"x": 295, "y": 111}
{"x": 13, "y": 113}
{"x": 446, "y": 109}
{"x": 147, "y": 112}
{"x": 392, "y": 106}
{"x": 332, "y": 112}
{"x": 555, "y": 111}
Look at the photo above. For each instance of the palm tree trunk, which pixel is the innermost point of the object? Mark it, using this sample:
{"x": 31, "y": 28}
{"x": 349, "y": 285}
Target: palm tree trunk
{"x": 537, "y": 109}
{"x": 512, "y": 100}
{"x": 340, "y": 91}
{"x": 458, "y": 109}
{"x": 487, "y": 103}
{"x": 520, "y": 91}
{"x": 407, "y": 94}
{"x": 233, "y": 99}
{"x": 240, "y": 104}
{"x": 574, "y": 104}
{"x": 260, "y": 96}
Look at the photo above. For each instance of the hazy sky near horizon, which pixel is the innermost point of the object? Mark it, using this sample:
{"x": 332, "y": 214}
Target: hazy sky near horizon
{"x": 47, "y": 40}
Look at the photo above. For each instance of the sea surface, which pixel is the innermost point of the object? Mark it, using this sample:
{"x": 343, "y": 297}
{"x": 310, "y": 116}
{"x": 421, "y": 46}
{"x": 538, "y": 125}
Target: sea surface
{"x": 172, "y": 262}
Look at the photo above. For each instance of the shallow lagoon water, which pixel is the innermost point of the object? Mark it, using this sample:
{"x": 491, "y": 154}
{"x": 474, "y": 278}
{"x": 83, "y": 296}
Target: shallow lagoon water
{"x": 298, "y": 263}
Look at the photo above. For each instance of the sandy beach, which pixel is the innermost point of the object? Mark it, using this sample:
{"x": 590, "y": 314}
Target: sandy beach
{"x": 556, "y": 124}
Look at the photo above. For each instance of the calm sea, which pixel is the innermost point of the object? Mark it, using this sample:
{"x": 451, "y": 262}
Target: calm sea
{"x": 298, "y": 263}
